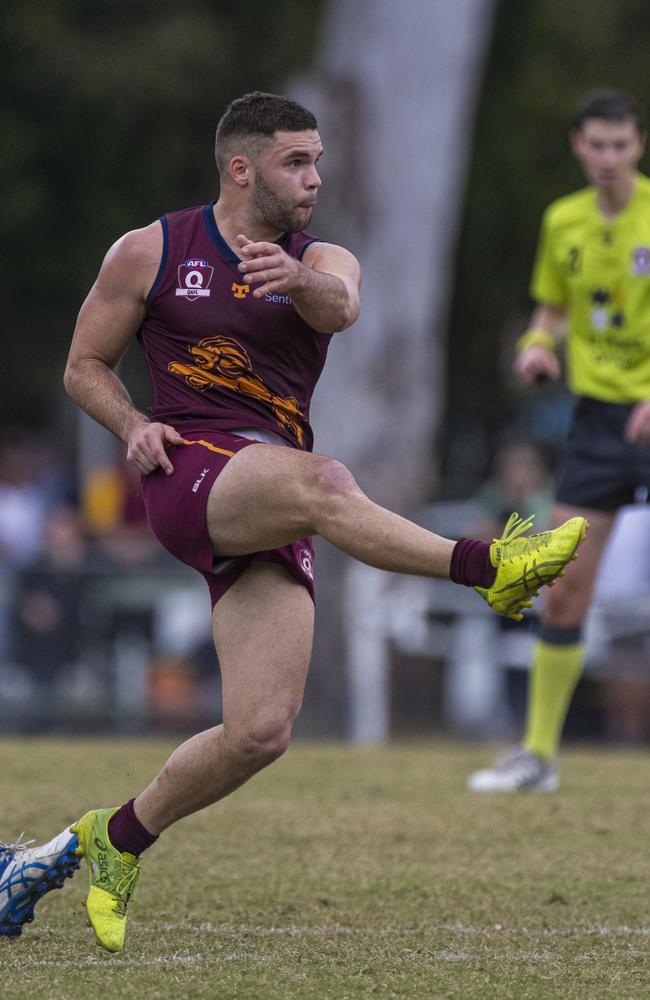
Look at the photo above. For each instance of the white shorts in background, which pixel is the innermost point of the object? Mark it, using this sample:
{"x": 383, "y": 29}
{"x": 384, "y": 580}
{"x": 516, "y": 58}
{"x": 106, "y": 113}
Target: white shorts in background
{"x": 625, "y": 568}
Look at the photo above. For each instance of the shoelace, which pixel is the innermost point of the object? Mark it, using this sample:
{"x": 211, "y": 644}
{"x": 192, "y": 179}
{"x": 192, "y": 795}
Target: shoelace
{"x": 515, "y": 527}
{"x": 20, "y": 845}
{"x": 127, "y": 884}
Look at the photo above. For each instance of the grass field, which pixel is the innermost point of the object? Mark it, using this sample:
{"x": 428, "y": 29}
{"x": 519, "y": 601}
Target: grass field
{"x": 343, "y": 873}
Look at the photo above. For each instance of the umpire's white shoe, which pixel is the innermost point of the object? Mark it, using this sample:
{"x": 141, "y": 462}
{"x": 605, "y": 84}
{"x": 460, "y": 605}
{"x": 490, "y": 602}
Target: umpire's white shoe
{"x": 27, "y": 873}
{"x": 518, "y": 770}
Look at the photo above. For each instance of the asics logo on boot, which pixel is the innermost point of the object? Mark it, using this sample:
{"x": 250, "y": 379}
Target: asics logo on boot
{"x": 102, "y": 859}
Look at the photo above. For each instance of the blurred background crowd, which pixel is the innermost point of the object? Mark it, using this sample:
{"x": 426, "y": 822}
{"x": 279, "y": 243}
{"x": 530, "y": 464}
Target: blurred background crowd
{"x": 98, "y": 624}
{"x": 445, "y": 133}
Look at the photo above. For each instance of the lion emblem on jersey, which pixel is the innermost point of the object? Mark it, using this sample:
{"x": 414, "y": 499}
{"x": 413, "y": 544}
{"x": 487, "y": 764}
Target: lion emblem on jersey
{"x": 223, "y": 361}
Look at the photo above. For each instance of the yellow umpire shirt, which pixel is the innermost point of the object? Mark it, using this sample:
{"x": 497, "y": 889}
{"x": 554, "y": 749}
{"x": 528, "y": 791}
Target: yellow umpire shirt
{"x": 600, "y": 270}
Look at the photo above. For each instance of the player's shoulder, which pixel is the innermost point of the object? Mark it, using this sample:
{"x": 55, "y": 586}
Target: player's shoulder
{"x": 132, "y": 262}
{"x": 297, "y": 243}
{"x": 181, "y": 214}
{"x": 137, "y": 247}
{"x": 141, "y": 243}
{"x": 570, "y": 208}
{"x": 314, "y": 247}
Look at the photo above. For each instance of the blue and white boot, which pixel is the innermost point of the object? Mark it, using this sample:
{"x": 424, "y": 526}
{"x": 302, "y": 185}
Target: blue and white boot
{"x": 27, "y": 873}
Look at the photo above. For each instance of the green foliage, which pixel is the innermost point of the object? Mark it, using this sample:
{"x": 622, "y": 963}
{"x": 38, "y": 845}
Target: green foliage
{"x": 108, "y": 116}
{"x": 544, "y": 56}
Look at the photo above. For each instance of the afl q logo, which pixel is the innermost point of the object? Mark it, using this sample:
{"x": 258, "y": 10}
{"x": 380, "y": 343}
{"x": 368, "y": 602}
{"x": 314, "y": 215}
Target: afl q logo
{"x": 194, "y": 277}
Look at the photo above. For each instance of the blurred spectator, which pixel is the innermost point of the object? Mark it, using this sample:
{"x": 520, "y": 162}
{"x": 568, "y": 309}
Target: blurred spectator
{"x": 22, "y": 505}
{"x": 519, "y": 480}
{"x": 48, "y": 609}
{"x": 114, "y": 514}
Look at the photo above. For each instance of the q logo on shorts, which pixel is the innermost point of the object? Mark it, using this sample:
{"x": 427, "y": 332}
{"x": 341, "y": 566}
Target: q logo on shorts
{"x": 194, "y": 277}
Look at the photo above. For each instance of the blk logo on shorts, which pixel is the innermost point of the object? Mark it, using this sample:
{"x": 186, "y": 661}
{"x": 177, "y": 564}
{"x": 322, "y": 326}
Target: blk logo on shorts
{"x": 195, "y": 488}
{"x": 194, "y": 277}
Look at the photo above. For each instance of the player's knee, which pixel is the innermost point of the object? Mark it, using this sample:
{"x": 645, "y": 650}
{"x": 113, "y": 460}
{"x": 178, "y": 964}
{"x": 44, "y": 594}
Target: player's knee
{"x": 565, "y": 607}
{"x": 263, "y": 741}
{"x": 331, "y": 484}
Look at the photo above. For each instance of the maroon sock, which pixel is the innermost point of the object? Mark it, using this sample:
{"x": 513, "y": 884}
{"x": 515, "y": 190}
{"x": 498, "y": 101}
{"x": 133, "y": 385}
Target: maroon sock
{"x": 470, "y": 564}
{"x": 127, "y": 833}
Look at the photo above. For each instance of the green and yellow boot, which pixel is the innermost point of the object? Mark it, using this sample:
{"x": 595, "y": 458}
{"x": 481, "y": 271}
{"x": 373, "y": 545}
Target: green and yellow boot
{"x": 524, "y": 565}
{"x": 113, "y": 878}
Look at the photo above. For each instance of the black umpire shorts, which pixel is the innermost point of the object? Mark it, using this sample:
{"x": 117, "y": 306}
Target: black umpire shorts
{"x": 601, "y": 469}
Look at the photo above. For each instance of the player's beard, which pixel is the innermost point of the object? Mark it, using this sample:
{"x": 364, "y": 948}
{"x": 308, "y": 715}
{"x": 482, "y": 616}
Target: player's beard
{"x": 276, "y": 213}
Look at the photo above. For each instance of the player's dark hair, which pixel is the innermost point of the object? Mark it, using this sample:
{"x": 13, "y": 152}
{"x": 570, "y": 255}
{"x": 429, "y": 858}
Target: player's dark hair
{"x": 611, "y": 106}
{"x": 259, "y": 115}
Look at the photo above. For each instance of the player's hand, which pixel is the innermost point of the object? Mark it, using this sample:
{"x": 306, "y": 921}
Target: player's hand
{"x": 146, "y": 447}
{"x": 637, "y": 429}
{"x": 536, "y": 365}
{"x": 267, "y": 266}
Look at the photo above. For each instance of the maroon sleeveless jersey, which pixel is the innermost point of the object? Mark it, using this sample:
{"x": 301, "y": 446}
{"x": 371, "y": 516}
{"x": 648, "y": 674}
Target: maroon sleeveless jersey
{"x": 218, "y": 357}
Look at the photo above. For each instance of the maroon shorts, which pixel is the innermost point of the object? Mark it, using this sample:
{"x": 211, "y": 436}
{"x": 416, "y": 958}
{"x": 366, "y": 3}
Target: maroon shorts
{"x": 176, "y": 507}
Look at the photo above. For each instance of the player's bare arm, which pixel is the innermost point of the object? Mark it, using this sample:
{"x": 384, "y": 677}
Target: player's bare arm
{"x": 324, "y": 286}
{"x": 108, "y": 320}
{"x": 539, "y": 360}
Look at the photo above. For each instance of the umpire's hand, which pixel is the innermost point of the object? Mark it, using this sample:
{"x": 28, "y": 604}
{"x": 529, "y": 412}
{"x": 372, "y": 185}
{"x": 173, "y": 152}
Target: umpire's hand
{"x": 536, "y": 365}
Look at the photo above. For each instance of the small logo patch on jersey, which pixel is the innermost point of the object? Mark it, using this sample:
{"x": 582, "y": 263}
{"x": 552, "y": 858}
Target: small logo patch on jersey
{"x": 239, "y": 291}
{"x": 641, "y": 262}
{"x": 194, "y": 277}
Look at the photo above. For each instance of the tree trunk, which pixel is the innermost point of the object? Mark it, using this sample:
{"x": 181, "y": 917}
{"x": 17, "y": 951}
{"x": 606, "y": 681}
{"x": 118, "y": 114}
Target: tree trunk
{"x": 394, "y": 93}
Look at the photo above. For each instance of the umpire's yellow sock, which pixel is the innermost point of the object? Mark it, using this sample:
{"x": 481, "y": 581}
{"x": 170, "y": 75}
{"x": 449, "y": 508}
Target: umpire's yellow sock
{"x": 554, "y": 675}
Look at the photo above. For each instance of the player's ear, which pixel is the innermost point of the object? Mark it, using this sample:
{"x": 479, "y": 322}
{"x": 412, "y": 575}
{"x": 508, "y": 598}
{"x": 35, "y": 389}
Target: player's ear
{"x": 240, "y": 169}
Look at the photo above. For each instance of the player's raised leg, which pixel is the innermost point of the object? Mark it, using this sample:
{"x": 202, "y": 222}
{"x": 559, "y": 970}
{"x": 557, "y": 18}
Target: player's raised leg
{"x": 263, "y": 628}
{"x": 270, "y": 496}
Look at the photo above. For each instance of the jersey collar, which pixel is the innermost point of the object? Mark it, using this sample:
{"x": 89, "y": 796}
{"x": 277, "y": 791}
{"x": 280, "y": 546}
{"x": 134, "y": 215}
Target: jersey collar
{"x": 225, "y": 251}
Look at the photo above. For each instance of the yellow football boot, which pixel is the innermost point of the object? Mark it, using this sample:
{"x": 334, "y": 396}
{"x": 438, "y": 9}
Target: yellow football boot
{"x": 113, "y": 878}
{"x": 524, "y": 565}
